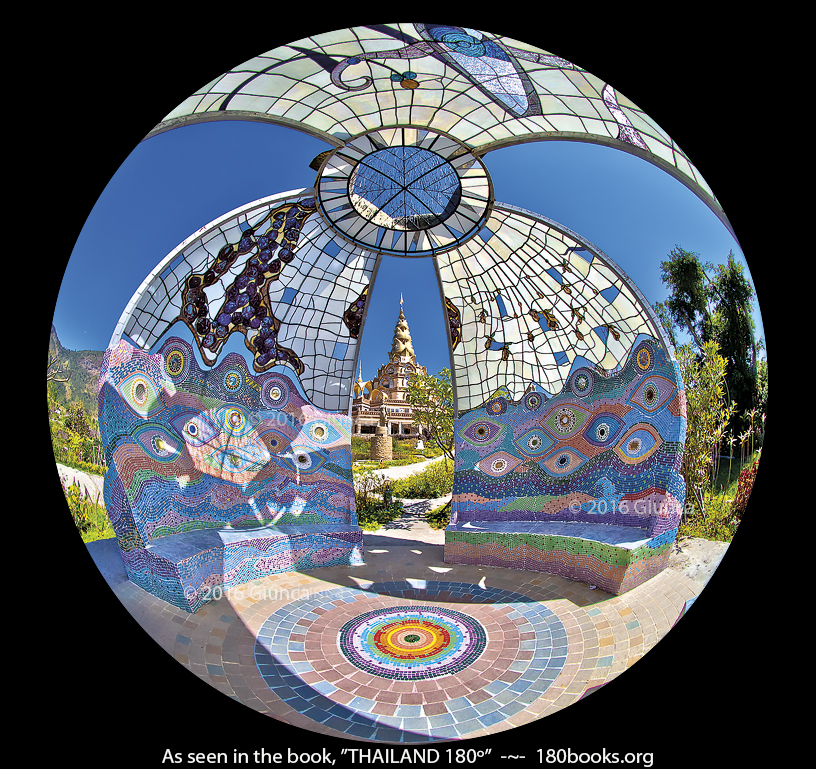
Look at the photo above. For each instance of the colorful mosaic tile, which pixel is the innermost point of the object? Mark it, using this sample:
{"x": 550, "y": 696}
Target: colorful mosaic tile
{"x": 412, "y": 643}
{"x": 604, "y": 454}
{"x": 225, "y": 474}
{"x": 569, "y": 407}
{"x": 502, "y": 655}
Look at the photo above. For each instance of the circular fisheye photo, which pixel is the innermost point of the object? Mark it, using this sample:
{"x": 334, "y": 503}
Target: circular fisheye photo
{"x": 407, "y": 385}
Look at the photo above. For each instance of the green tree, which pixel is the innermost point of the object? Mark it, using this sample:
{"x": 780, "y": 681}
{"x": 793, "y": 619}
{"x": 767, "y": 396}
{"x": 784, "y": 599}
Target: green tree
{"x": 56, "y": 370}
{"x": 708, "y": 414}
{"x": 762, "y": 394}
{"x": 666, "y": 320}
{"x": 77, "y": 420}
{"x": 431, "y": 398}
{"x": 713, "y": 303}
{"x": 685, "y": 276}
{"x": 731, "y": 326}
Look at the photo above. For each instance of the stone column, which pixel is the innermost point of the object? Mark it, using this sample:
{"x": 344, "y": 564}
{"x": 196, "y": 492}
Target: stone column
{"x": 381, "y": 448}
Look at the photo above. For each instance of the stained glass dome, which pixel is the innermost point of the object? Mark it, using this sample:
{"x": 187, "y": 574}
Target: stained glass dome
{"x": 411, "y": 111}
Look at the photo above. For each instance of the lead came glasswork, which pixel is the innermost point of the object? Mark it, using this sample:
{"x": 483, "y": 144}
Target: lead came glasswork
{"x": 404, "y": 188}
{"x": 441, "y": 77}
{"x": 404, "y": 191}
{"x": 534, "y": 311}
{"x": 569, "y": 408}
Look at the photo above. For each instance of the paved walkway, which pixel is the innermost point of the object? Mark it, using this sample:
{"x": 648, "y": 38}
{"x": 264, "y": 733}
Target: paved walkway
{"x": 403, "y": 471}
{"x": 411, "y": 526}
{"x": 527, "y": 645}
{"x": 90, "y": 485}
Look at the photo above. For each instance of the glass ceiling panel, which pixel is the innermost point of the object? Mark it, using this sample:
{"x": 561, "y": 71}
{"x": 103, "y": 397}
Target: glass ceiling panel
{"x": 410, "y": 110}
{"x": 536, "y": 298}
{"x": 273, "y": 272}
{"x": 484, "y": 90}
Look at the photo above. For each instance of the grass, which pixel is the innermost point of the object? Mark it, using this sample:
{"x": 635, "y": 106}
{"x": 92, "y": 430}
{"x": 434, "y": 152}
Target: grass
{"x": 433, "y": 482}
{"x": 439, "y": 517}
{"x": 729, "y": 472}
{"x": 91, "y": 519}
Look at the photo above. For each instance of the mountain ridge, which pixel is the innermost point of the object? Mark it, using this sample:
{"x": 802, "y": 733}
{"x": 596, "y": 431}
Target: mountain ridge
{"x": 82, "y": 368}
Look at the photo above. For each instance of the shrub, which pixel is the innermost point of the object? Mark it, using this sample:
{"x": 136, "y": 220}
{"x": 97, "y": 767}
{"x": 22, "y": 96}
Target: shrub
{"x": 745, "y": 485}
{"x": 439, "y": 517}
{"x": 375, "y": 503}
{"x": 708, "y": 415}
{"x": 373, "y": 518}
{"x": 366, "y": 466}
{"x": 360, "y": 448}
{"x": 91, "y": 519}
{"x": 717, "y": 523}
{"x": 433, "y": 482}
{"x": 403, "y": 446}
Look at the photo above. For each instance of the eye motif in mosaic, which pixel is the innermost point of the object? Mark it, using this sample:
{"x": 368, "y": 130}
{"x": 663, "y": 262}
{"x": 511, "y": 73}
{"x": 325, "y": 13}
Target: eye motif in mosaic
{"x": 246, "y": 308}
{"x": 195, "y": 449}
{"x": 489, "y": 64}
{"x": 610, "y": 445}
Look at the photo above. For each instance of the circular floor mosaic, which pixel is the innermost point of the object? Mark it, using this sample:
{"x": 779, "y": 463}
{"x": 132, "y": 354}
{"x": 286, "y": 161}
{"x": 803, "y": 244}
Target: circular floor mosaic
{"x": 411, "y": 643}
{"x": 397, "y": 663}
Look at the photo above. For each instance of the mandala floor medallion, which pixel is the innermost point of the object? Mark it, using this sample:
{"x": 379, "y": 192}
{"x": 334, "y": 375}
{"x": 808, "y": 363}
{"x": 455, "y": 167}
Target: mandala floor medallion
{"x": 477, "y": 655}
{"x": 412, "y": 643}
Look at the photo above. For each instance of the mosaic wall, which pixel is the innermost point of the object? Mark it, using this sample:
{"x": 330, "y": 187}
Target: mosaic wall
{"x": 273, "y": 273}
{"x": 571, "y": 411}
{"x": 606, "y": 450}
{"x": 254, "y": 477}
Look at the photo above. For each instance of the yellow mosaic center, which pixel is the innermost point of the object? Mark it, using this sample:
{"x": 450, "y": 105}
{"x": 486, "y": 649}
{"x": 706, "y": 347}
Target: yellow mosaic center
{"x": 407, "y": 639}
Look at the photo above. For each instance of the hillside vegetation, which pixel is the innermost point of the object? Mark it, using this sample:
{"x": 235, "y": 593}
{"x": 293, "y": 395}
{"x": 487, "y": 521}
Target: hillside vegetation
{"x": 73, "y": 416}
{"x": 81, "y": 367}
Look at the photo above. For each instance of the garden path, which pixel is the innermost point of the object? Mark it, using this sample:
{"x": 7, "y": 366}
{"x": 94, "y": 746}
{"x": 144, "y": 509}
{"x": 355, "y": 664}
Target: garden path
{"x": 397, "y": 473}
{"x": 90, "y": 485}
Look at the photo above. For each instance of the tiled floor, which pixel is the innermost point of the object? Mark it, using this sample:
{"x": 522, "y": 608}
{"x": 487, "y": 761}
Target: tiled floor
{"x": 273, "y": 644}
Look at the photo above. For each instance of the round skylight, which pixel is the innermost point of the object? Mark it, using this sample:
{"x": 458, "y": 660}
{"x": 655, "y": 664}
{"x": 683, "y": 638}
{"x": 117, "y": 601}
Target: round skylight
{"x": 404, "y": 191}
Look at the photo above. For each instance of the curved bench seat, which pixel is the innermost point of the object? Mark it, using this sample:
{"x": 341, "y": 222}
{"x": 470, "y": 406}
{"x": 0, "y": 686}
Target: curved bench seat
{"x": 586, "y": 484}
{"x": 192, "y": 567}
{"x": 201, "y": 463}
{"x": 615, "y": 558}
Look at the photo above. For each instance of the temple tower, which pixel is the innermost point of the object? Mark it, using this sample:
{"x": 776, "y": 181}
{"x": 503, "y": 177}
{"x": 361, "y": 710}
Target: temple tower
{"x": 389, "y": 388}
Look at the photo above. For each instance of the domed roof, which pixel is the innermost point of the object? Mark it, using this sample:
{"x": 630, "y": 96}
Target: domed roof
{"x": 411, "y": 111}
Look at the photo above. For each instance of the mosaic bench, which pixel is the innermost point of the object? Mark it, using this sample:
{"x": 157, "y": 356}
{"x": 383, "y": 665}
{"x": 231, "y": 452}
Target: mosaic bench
{"x": 585, "y": 485}
{"x": 216, "y": 478}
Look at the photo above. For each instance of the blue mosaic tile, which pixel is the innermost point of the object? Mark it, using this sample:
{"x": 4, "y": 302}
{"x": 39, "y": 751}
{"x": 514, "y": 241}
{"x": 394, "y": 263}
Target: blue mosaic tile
{"x": 409, "y": 723}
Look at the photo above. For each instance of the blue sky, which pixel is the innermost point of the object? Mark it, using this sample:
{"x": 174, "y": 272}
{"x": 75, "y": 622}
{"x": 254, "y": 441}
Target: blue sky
{"x": 176, "y": 182}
